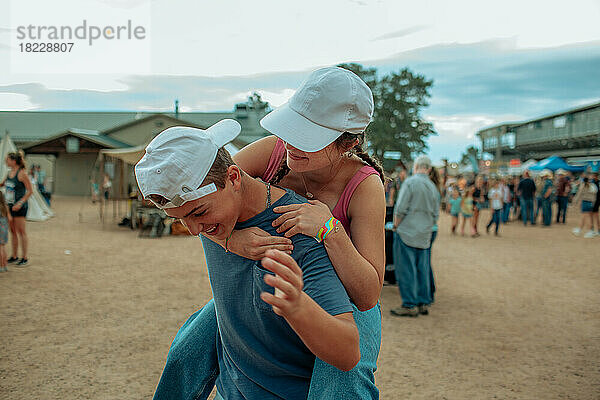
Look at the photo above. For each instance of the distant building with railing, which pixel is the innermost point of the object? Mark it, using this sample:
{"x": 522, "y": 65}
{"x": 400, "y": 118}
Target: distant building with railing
{"x": 569, "y": 134}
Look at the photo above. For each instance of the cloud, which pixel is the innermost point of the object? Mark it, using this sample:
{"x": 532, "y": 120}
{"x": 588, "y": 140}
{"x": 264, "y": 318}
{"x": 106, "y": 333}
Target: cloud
{"x": 401, "y": 33}
{"x": 158, "y": 93}
{"x": 495, "y": 78}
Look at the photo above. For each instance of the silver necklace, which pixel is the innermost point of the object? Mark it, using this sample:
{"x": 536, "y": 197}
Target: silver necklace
{"x": 268, "y": 195}
{"x": 310, "y": 195}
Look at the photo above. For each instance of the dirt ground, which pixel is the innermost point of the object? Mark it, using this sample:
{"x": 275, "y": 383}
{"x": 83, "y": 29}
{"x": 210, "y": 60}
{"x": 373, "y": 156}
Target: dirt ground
{"x": 92, "y": 316}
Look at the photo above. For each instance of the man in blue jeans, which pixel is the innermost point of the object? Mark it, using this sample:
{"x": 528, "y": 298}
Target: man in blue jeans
{"x": 526, "y": 192}
{"x": 415, "y": 213}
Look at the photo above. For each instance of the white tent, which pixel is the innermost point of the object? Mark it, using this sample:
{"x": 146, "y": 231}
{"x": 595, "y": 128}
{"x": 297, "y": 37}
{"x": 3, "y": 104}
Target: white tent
{"x": 38, "y": 209}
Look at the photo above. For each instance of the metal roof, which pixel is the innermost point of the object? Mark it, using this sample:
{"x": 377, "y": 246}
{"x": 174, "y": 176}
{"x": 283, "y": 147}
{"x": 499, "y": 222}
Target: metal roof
{"x": 25, "y": 126}
{"x": 89, "y": 135}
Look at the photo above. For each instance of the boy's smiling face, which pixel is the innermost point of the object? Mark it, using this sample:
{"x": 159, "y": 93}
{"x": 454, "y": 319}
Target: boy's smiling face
{"x": 215, "y": 214}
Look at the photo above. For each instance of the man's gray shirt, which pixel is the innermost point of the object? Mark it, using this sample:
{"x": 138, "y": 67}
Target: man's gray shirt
{"x": 418, "y": 208}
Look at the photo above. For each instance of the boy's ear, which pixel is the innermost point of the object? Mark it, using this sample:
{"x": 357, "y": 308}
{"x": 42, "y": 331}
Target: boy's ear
{"x": 234, "y": 176}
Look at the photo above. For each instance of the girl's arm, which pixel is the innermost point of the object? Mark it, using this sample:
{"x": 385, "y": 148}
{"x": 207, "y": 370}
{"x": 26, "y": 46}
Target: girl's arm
{"x": 254, "y": 158}
{"x": 28, "y": 190}
{"x": 359, "y": 262}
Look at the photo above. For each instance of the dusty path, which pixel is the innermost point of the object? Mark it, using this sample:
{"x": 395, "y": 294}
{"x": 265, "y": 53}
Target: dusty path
{"x": 516, "y": 317}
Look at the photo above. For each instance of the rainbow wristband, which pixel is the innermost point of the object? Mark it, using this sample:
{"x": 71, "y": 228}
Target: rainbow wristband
{"x": 331, "y": 225}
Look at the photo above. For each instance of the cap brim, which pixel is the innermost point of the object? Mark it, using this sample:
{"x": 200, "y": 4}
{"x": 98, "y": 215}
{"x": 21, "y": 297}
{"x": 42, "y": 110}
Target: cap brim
{"x": 224, "y": 131}
{"x": 297, "y": 130}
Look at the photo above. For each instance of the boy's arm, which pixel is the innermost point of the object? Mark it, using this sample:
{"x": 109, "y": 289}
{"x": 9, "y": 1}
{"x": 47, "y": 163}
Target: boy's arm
{"x": 334, "y": 339}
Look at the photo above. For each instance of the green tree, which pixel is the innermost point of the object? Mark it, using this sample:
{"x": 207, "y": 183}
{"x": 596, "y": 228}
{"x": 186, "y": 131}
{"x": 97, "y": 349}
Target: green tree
{"x": 471, "y": 151}
{"x": 255, "y": 102}
{"x": 397, "y": 122}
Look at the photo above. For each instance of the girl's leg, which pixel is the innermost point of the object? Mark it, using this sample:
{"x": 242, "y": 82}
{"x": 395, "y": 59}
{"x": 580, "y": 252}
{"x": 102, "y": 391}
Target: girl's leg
{"x": 462, "y": 226}
{"x": 3, "y": 261}
{"x": 14, "y": 239}
{"x": 328, "y": 382}
{"x": 22, "y": 233}
{"x": 588, "y": 217}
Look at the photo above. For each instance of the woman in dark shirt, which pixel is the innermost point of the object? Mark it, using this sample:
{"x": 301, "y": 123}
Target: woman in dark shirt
{"x": 477, "y": 203}
{"x": 18, "y": 190}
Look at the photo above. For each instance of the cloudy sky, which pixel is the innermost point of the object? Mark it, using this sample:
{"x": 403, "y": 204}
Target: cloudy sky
{"x": 490, "y": 61}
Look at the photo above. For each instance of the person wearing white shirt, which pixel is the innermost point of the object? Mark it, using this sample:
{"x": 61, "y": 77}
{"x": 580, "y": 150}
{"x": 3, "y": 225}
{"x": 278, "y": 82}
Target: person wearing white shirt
{"x": 495, "y": 195}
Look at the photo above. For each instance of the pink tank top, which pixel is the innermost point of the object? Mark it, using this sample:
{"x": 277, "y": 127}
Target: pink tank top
{"x": 340, "y": 211}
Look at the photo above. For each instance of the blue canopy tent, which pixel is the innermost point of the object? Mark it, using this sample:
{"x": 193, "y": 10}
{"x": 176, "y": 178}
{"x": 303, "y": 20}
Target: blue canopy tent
{"x": 553, "y": 163}
{"x": 593, "y": 166}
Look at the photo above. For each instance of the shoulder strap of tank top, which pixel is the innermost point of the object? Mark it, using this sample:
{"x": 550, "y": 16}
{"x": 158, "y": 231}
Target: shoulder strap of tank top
{"x": 341, "y": 208}
{"x": 274, "y": 161}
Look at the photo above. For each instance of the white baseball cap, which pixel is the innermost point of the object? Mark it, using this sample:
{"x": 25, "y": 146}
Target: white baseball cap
{"x": 331, "y": 101}
{"x": 178, "y": 159}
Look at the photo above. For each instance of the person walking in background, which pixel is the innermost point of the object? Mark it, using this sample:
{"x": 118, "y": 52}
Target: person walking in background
{"x": 415, "y": 214}
{"x": 539, "y": 185}
{"x": 562, "y": 195}
{"x": 506, "y": 200}
{"x": 454, "y": 208}
{"x": 5, "y": 220}
{"x": 547, "y": 196}
{"x": 586, "y": 194}
{"x": 106, "y": 186}
{"x": 595, "y": 219}
{"x": 18, "y": 190}
{"x": 466, "y": 209}
{"x": 516, "y": 202}
{"x": 435, "y": 178}
{"x": 495, "y": 197}
{"x": 526, "y": 193}
{"x": 477, "y": 203}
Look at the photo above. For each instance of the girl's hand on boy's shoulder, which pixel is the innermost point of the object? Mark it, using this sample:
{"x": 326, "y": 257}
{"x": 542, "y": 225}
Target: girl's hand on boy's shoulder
{"x": 305, "y": 218}
{"x": 254, "y": 242}
{"x": 287, "y": 281}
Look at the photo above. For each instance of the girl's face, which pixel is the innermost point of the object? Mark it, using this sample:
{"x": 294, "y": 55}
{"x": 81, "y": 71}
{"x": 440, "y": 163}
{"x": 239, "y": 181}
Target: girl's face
{"x": 302, "y": 161}
{"x": 10, "y": 162}
{"x": 455, "y": 193}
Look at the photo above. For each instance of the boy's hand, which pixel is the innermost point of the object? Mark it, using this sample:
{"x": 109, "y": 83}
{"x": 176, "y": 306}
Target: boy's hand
{"x": 287, "y": 282}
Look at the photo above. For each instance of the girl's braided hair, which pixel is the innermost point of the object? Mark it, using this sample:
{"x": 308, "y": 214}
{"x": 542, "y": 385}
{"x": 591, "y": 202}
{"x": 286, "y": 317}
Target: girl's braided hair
{"x": 343, "y": 142}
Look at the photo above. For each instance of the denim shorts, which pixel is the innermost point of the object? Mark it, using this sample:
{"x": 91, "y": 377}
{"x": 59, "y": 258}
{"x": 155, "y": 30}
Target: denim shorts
{"x": 454, "y": 214}
{"x": 467, "y": 215}
{"x": 587, "y": 206}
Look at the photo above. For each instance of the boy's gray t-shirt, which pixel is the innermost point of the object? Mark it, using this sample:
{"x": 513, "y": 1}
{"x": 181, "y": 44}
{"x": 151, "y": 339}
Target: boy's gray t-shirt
{"x": 260, "y": 356}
